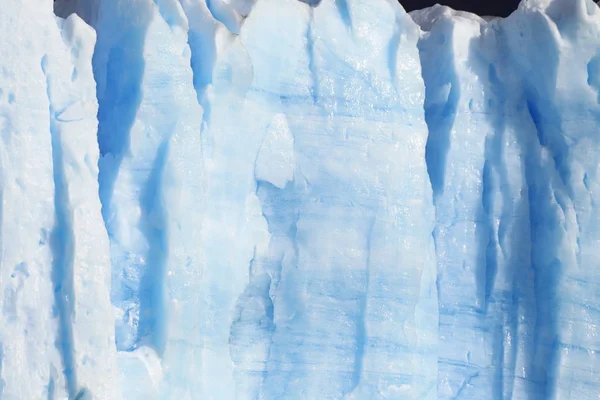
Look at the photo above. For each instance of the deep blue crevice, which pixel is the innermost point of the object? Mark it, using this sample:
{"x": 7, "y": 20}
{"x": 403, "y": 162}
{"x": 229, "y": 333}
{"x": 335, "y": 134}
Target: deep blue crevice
{"x": 495, "y": 101}
{"x": 548, "y": 128}
{"x": 202, "y": 62}
{"x": 118, "y": 108}
{"x": 201, "y": 41}
{"x": 508, "y": 256}
{"x": 544, "y": 224}
{"x": 440, "y": 119}
{"x": 118, "y": 66}
{"x": 344, "y": 11}
{"x": 152, "y": 324}
{"x": 62, "y": 247}
{"x": 543, "y": 178}
{"x": 440, "y": 108}
{"x": 439, "y": 73}
{"x": 491, "y": 256}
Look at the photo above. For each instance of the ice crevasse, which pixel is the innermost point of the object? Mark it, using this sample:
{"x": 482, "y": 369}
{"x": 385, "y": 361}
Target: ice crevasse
{"x": 276, "y": 199}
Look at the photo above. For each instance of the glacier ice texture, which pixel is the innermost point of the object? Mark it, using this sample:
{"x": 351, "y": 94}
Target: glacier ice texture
{"x": 283, "y": 199}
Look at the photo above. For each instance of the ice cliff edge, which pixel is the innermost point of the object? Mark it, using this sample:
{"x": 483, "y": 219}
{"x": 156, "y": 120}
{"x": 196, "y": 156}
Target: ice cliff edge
{"x": 267, "y": 199}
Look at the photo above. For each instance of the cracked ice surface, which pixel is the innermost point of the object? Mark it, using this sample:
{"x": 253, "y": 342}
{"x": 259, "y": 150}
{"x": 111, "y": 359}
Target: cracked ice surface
{"x": 276, "y": 199}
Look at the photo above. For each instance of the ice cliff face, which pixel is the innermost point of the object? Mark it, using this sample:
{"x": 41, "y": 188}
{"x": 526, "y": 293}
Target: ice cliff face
{"x": 277, "y": 199}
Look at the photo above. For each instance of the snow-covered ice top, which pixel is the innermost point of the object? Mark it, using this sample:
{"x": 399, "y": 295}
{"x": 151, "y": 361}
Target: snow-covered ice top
{"x": 276, "y": 199}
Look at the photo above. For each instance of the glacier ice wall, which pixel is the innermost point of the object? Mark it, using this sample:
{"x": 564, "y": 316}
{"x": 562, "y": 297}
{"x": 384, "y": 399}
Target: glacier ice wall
{"x": 276, "y": 199}
{"x": 513, "y": 120}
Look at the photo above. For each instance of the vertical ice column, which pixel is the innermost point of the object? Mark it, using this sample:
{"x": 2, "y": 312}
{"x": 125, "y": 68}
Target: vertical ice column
{"x": 562, "y": 101}
{"x": 56, "y": 338}
{"x": 519, "y": 129}
{"x": 119, "y": 72}
{"x": 456, "y": 162}
{"x": 81, "y": 264}
{"x": 343, "y": 302}
{"x": 252, "y": 329}
{"x": 477, "y": 140}
{"x": 233, "y": 224}
{"x": 511, "y": 309}
{"x": 184, "y": 200}
{"x": 28, "y": 326}
{"x": 494, "y": 220}
{"x": 150, "y": 188}
{"x": 522, "y": 203}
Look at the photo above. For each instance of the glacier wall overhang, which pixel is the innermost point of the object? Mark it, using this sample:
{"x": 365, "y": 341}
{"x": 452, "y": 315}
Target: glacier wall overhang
{"x": 267, "y": 199}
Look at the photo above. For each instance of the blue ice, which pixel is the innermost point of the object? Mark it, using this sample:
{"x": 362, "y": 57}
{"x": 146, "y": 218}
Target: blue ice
{"x": 285, "y": 199}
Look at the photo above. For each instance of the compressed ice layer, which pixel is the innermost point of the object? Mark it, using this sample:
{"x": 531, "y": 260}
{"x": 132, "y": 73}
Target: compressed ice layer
{"x": 302, "y": 200}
